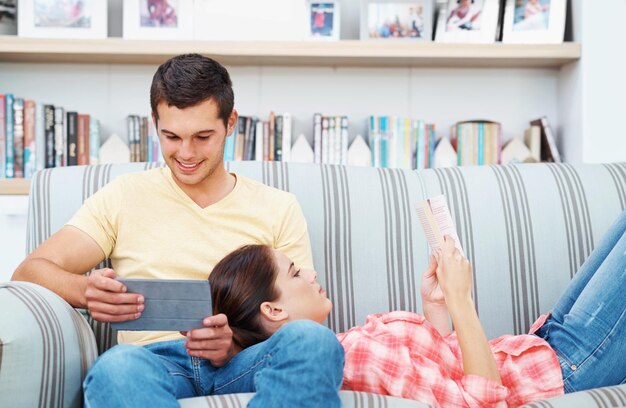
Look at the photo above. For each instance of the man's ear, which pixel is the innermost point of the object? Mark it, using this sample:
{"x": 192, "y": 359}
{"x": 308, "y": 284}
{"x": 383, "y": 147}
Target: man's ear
{"x": 155, "y": 121}
{"x": 273, "y": 312}
{"x": 232, "y": 122}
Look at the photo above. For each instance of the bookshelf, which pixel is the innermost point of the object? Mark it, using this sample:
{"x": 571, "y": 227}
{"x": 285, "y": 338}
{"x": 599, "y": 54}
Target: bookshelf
{"x": 346, "y": 53}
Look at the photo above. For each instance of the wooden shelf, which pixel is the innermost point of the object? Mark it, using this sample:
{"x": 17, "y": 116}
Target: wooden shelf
{"x": 308, "y": 53}
{"x": 14, "y": 186}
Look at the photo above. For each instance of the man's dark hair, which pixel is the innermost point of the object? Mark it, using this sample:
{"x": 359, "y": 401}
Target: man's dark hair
{"x": 188, "y": 79}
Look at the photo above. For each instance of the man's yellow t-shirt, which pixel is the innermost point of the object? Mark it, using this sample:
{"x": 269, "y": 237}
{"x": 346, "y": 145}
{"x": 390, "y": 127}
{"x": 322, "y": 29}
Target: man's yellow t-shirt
{"x": 150, "y": 228}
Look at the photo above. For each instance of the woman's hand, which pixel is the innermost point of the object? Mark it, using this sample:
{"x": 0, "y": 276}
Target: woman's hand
{"x": 433, "y": 300}
{"x": 454, "y": 274}
{"x": 431, "y": 290}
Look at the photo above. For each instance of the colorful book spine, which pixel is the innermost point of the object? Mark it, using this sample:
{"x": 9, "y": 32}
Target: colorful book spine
{"x": 481, "y": 144}
{"x": 50, "y": 150}
{"x": 421, "y": 143}
{"x": 317, "y": 138}
{"x": 344, "y": 140}
{"x": 3, "y": 136}
{"x": 72, "y": 139}
{"x": 59, "y": 137}
{"x": 229, "y": 147}
{"x": 10, "y": 138}
{"x": 30, "y": 139}
{"x": 18, "y": 138}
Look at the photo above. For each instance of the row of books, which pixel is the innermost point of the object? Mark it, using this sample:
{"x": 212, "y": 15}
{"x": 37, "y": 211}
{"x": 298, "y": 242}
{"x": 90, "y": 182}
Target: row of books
{"x": 34, "y": 136}
{"x": 399, "y": 142}
{"x": 257, "y": 139}
{"x": 477, "y": 142}
{"x": 143, "y": 141}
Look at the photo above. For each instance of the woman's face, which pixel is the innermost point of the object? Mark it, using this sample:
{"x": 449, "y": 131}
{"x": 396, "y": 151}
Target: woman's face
{"x": 300, "y": 294}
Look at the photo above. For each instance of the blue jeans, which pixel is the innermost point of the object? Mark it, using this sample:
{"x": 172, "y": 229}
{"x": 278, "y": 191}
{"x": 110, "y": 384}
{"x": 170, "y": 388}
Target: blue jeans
{"x": 587, "y": 328}
{"x": 300, "y": 365}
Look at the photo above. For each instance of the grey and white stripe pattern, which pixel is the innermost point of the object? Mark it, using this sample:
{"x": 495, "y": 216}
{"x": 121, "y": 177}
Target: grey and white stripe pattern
{"x": 402, "y": 281}
{"x": 606, "y": 397}
{"x": 348, "y": 399}
{"x": 520, "y": 246}
{"x": 337, "y": 266}
{"x": 49, "y": 344}
{"x": 618, "y": 174}
{"x": 576, "y": 213}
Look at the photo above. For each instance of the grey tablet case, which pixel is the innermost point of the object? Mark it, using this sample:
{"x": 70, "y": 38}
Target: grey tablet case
{"x": 170, "y": 305}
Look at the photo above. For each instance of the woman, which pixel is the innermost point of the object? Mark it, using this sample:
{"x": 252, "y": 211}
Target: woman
{"x": 404, "y": 354}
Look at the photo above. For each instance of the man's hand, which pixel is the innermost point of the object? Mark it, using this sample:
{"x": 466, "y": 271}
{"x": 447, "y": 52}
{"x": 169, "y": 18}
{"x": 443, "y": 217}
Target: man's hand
{"x": 213, "y": 342}
{"x": 107, "y": 299}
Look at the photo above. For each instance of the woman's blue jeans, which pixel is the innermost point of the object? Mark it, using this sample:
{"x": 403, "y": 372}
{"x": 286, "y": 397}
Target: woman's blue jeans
{"x": 587, "y": 328}
{"x": 301, "y": 365}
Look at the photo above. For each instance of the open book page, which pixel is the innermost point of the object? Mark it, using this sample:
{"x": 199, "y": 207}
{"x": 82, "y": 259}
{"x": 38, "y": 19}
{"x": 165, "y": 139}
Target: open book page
{"x": 435, "y": 217}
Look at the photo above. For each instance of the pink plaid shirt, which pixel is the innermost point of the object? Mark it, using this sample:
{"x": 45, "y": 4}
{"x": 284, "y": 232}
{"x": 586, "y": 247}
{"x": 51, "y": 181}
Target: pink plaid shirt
{"x": 402, "y": 354}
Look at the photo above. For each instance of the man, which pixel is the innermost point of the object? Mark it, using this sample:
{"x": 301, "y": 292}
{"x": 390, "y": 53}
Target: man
{"x": 177, "y": 223}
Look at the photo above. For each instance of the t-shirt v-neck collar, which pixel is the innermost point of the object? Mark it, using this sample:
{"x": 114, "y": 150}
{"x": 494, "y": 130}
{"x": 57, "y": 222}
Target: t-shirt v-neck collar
{"x": 179, "y": 191}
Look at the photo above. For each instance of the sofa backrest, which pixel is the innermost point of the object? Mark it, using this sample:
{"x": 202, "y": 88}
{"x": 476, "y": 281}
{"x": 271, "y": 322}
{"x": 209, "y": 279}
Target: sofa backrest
{"x": 525, "y": 228}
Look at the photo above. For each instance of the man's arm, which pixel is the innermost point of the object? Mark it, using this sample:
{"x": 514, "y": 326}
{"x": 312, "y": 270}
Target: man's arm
{"x": 60, "y": 263}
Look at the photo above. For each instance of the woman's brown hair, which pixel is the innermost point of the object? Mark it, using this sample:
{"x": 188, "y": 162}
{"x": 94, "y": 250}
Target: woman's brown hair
{"x": 240, "y": 283}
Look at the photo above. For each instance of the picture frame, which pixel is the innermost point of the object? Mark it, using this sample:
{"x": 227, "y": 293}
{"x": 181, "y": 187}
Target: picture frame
{"x": 158, "y": 20}
{"x": 247, "y": 20}
{"x": 534, "y": 21}
{"x": 8, "y": 17}
{"x": 70, "y": 19}
{"x": 468, "y": 21}
{"x": 323, "y": 20}
{"x": 397, "y": 20}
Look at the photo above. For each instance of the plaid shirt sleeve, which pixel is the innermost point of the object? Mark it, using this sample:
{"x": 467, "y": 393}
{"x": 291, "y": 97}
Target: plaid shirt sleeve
{"x": 401, "y": 354}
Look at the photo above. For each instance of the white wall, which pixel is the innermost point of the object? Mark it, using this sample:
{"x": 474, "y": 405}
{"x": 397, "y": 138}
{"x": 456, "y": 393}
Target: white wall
{"x": 603, "y": 70}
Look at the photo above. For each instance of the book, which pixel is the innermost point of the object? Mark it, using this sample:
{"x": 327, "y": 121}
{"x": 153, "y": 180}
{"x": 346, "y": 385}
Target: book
{"x": 40, "y": 137}
{"x": 434, "y": 215}
{"x": 71, "y": 154}
{"x": 30, "y": 153}
{"x": 317, "y": 137}
{"x": 549, "y": 151}
{"x": 50, "y": 150}
{"x": 3, "y": 138}
{"x": 10, "y": 138}
{"x": 83, "y": 139}
{"x": 59, "y": 137}
{"x": 18, "y": 138}
{"x": 286, "y": 137}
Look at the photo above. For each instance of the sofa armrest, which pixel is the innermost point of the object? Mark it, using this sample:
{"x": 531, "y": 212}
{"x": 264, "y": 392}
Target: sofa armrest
{"x": 46, "y": 348}
{"x": 598, "y": 397}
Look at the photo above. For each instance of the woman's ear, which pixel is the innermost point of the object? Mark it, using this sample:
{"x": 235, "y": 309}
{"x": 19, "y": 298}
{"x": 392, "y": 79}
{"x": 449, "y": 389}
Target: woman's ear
{"x": 273, "y": 312}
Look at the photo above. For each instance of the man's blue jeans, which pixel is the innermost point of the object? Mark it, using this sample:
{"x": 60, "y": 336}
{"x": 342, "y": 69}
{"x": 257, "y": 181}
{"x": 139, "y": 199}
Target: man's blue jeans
{"x": 587, "y": 328}
{"x": 301, "y": 365}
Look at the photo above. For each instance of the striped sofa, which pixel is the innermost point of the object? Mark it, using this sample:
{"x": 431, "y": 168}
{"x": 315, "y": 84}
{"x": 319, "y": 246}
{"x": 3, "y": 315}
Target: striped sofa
{"x": 526, "y": 228}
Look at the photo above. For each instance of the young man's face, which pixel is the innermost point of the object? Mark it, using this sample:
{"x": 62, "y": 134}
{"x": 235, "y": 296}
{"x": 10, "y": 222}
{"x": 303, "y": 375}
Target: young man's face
{"x": 192, "y": 141}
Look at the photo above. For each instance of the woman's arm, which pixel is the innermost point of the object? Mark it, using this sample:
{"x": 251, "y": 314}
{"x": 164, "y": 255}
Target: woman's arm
{"x": 454, "y": 273}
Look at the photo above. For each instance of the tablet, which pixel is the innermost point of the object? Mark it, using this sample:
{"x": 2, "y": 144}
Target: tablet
{"x": 170, "y": 305}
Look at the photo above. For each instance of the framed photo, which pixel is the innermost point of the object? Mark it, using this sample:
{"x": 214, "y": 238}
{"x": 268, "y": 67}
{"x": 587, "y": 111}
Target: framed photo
{"x": 62, "y": 19}
{"x": 468, "y": 21}
{"x": 8, "y": 17}
{"x": 534, "y": 21}
{"x": 158, "y": 19}
{"x": 249, "y": 20}
{"x": 397, "y": 20}
{"x": 323, "y": 20}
